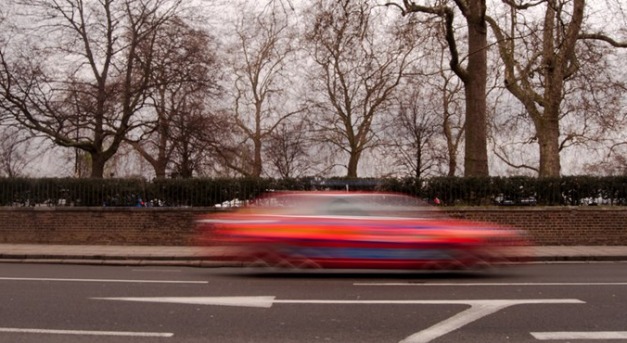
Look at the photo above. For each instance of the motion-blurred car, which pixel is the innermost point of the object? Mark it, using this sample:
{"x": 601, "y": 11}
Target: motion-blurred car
{"x": 354, "y": 230}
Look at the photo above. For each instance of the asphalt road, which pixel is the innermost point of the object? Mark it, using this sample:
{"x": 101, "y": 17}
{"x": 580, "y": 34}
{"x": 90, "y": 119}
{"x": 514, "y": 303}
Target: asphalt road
{"x": 582, "y": 302}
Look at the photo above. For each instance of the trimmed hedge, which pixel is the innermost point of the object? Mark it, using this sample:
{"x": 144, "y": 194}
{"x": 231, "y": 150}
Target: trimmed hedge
{"x": 579, "y": 190}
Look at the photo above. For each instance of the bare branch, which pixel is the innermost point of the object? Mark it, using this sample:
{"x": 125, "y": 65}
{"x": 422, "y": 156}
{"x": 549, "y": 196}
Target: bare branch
{"x": 603, "y": 38}
{"x": 523, "y": 6}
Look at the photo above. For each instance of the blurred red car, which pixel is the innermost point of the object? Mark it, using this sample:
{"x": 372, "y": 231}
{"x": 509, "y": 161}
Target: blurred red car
{"x": 354, "y": 230}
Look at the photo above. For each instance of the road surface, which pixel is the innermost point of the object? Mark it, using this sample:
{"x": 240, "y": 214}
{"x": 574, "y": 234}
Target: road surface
{"x": 560, "y": 302}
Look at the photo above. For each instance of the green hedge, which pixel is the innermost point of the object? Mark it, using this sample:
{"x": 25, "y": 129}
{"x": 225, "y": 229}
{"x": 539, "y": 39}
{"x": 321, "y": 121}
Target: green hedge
{"x": 574, "y": 191}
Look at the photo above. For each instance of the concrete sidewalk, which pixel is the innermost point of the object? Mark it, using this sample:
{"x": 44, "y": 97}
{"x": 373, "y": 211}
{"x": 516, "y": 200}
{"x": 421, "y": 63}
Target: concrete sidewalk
{"x": 200, "y": 256}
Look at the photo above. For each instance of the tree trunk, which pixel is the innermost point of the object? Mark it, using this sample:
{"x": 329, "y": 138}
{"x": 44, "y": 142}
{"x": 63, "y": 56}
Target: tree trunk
{"x": 353, "y": 162}
{"x": 186, "y": 169}
{"x": 257, "y": 160}
{"x": 418, "y": 172}
{"x": 160, "y": 171}
{"x": 452, "y": 162}
{"x": 548, "y": 132}
{"x": 476, "y": 152}
{"x": 98, "y": 162}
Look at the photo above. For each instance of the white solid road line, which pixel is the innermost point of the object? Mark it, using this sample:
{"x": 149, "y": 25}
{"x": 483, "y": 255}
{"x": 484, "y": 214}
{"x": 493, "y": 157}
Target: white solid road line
{"x": 244, "y": 301}
{"x": 99, "y": 280}
{"x": 566, "y": 335}
{"x": 490, "y": 284}
{"x": 88, "y": 333}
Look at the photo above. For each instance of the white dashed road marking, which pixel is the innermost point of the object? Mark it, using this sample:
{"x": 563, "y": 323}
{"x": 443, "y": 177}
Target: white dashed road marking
{"x": 566, "y": 335}
{"x": 99, "y": 280}
{"x": 88, "y": 333}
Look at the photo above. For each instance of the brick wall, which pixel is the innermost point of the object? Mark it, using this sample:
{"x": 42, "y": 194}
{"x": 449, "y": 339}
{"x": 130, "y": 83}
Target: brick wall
{"x": 558, "y": 226}
{"x": 111, "y": 226}
{"x": 175, "y": 226}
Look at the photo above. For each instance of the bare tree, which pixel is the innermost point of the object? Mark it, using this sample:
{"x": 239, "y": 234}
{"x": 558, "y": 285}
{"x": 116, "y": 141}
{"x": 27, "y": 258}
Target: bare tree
{"x": 183, "y": 73}
{"x": 194, "y": 129}
{"x": 448, "y": 91}
{"x": 360, "y": 66}
{"x": 261, "y": 91}
{"x": 413, "y": 137}
{"x": 614, "y": 163}
{"x": 429, "y": 127}
{"x": 473, "y": 75}
{"x": 442, "y": 97}
{"x": 82, "y": 85}
{"x": 453, "y": 123}
{"x": 16, "y": 151}
{"x": 289, "y": 150}
{"x": 542, "y": 62}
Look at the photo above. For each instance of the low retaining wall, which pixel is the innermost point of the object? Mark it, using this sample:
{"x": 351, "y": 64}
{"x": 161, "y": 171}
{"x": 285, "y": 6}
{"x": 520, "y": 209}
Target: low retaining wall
{"x": 175, "y": 226}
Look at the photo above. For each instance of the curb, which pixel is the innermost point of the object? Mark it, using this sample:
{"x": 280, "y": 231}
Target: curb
{"x": 120, "y": 261}
{"x": 195, "y": 261}
{"x": 590, "y": 258}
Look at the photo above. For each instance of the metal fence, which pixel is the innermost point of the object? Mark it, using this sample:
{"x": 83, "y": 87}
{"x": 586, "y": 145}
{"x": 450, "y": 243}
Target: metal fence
{"x": 514, "y": 191}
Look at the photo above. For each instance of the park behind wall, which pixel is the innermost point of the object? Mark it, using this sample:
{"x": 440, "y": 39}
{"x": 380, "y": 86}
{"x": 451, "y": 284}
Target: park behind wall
{"x": 581, "y": 225}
